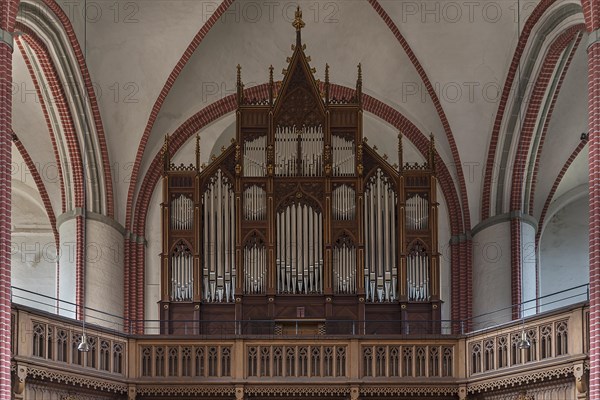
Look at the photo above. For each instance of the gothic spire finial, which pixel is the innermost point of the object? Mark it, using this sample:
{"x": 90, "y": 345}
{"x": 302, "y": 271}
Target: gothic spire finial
{"x": 298, "y": 24}
{"x": 431, "y": 152}
{"x": 271, "y": 86}
{"x": 326, "y": 83}
{"x": 400, "y": 151}
{"x": 165, "y": 154}
{"x": 197, "y": 152}
{"x": 359, "y": 84}
{"x": 239, "y": 85}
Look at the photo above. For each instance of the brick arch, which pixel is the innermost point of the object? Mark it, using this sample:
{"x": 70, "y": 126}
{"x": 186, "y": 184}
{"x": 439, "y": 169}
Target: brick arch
{"x": 557, "y": 181}
{"x": 135, "y": 252}
{"x": 72, "y": 144}
{"x": 536, "y": 166}
{"x": 61, "y": 103}
{"x": 523, "y": 150}
{"x": 70, "y": 33}
{"x": 61, "y": 181}
{"x": 533, "y": 19}
{"x": 39, "y": 184}
{"x": 532, "y": 114}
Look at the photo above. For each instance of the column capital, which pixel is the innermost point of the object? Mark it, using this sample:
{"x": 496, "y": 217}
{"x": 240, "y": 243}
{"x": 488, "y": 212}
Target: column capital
{"x": 7, "y": 38}
{"x": 593, "y": 38}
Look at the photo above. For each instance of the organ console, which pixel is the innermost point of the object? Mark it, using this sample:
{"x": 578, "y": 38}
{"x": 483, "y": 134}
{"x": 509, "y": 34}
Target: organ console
{"x": 300, "y": 212}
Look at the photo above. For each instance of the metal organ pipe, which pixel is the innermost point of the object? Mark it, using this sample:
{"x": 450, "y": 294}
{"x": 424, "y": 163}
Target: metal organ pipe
{"x": 219, "y": 234}
{"x": 299, "y": 250}
{"x": 381, "y": 273}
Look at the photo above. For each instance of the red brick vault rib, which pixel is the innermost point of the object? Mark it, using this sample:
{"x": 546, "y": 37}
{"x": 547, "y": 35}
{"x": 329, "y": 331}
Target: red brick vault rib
{"x": 61, "y": 181}
{"x": 547, "y": 122}
{"x": 136, "y": 255}
{"x": 72, "y": 144}
{"x": 557, "y": 181}
{"x": 537, "y": 97}
{"x": 66, "y": 24}
{"x": 39, "y": 183}
{"x": 539, "y": 155}
{"x": 537, "y": 13}
{"x": 8, "y": 14}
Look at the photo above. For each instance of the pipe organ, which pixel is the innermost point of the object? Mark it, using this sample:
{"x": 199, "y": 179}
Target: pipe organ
{"x": 299, "y": 217}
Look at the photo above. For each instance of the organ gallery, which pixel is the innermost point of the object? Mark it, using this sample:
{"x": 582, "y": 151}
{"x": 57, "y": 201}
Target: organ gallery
{"x": 300, "y": 218}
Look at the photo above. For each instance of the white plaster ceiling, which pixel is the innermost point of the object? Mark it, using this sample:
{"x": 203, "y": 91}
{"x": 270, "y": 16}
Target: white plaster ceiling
{"x": 129, "y": 62}
{"x": 466, "y": 52}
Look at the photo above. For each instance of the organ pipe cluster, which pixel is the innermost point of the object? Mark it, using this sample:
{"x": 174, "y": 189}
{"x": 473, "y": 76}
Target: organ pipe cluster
{"x": 218, "y": 207}
{"x": 343, "y": 156}
{"x": 344, "y": 268}
{"x": 299, "y": 260}
{"x": 255, "y": 203}
{"x": 381, "y": 271}
{"x": 343, "y": 203}
{"x": 417, "y": 212}
{"x": 417, "y": 271}
{"x": 299, "y": 151}
{"x": 182, "y": 213}
{"x": 182, "y": 273}
{"x": 255, "y": 157}
{"x": 255, "y": 267}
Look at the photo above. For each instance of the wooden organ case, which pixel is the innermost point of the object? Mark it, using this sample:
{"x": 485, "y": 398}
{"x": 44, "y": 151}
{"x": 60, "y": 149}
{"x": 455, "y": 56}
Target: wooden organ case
{"x": 300, "y": 219}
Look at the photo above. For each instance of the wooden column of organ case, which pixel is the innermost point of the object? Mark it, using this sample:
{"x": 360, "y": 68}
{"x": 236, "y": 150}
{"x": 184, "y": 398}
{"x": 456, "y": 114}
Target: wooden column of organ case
{"x": 300, "y": 219}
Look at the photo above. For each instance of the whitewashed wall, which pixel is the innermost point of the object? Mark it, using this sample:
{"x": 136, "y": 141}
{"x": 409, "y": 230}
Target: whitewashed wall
{"x": 564, "y": 255}
{"x": 491, "y": 275}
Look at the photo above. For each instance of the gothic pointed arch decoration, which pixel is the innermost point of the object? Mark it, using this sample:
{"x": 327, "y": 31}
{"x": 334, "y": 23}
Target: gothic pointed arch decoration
{"x": 300, "y": 212}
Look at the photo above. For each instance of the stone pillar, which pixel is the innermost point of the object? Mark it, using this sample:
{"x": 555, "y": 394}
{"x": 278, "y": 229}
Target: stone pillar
{"x": 594, "y": 184}
{"x": 529, "y": 279}
{"x": 492, "y": 272}
{"x": 104, "y": 272}
{"x": 8, "y": 12}
{"x": 67, "y": 261}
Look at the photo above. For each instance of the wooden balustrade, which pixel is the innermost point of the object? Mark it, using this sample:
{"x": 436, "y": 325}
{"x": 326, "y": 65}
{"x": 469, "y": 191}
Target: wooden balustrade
{"x": 45, "y": 345}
